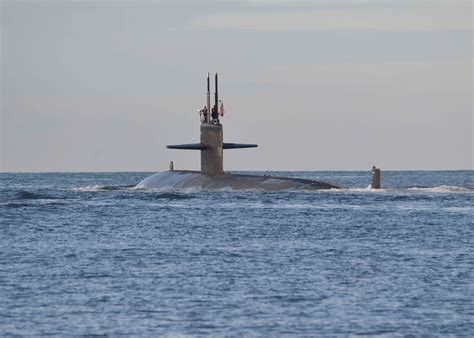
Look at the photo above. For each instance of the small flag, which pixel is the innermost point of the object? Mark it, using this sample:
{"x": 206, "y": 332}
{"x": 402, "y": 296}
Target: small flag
{"x": 222, "y": 111}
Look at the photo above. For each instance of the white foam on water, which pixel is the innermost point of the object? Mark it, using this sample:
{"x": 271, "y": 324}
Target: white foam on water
{"x": 90, "y": 188}
{"x": 368, "y": 189}
{"x": 167, "y": 188}
{"x": 103, "y": 188}
{"x": 139, "y": 186}
{"x": 160, "y": 189}
{"x": 441, "y": 189}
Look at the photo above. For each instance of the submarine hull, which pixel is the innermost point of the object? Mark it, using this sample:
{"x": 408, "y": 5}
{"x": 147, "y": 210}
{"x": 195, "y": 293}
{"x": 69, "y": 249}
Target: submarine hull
{"x": 179, "y": 180}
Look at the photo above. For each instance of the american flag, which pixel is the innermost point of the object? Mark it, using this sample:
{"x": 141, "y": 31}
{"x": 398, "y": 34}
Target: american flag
{"x": 222, "y": 111}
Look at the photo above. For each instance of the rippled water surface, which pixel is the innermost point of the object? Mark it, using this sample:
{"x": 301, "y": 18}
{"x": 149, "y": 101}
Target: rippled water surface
{"x": 87, "y": 253}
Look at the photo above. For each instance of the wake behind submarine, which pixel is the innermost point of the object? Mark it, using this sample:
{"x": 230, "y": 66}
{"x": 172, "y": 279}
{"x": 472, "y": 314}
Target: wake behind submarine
{"x": 212, "y": 176}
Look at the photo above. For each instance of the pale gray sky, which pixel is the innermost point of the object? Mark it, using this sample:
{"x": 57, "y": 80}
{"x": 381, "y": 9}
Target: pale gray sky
{"x": 319, "y": 85}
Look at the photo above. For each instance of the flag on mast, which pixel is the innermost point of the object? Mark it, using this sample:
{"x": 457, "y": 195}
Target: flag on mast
{"x": 221, "y": 110}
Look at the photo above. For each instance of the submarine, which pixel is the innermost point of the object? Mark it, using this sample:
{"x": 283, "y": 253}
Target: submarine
{"x": 212, "y": 176}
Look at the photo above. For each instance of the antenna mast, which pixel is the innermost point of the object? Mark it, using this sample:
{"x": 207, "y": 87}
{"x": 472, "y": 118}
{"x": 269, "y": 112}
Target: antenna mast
{"x": 216, "y": 103}
{"x": 208, "y": 117}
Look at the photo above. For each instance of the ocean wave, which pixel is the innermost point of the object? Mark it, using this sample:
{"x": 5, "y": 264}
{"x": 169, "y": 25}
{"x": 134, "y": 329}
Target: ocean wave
{"x": 167, "y": 195}
{"x": 29, "y": 195}
{"x": 441, "y": 189}
{"x": 90, "y": 188}
{"x": 167, "y": 189}
{"x": 366, "y": 189}
{"x": 438, "y": 189}
{"x": 14, "y": 205}
{"x": 101, "y": 188}
{"x": 37, "y": 202}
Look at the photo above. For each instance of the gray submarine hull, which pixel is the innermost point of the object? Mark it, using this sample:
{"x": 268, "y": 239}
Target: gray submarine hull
{"x": 212, "y": 176}
{"x": 183, "y": 179}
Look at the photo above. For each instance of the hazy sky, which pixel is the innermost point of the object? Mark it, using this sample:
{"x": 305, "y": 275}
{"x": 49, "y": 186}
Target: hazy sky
{"x": 319, "y": 85}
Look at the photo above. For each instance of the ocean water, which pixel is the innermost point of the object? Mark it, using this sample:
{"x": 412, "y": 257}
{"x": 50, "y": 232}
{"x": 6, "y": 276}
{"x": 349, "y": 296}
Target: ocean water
{"x": 88, "y": 254}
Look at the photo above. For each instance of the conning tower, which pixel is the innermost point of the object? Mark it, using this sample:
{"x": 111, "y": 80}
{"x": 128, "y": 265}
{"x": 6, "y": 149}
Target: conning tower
{"x": 212, "y": 138}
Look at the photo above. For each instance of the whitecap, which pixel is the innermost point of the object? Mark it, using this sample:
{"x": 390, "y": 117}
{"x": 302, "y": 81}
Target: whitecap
{"x": 441, "y": 189}
{"x": 90, "y": 188}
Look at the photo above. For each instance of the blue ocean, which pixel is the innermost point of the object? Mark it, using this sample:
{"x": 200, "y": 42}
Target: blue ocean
{"x": 91, "y": 254}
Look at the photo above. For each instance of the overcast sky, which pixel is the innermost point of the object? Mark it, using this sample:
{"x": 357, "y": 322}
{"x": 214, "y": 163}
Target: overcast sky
{"x": 319, "y": 85}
